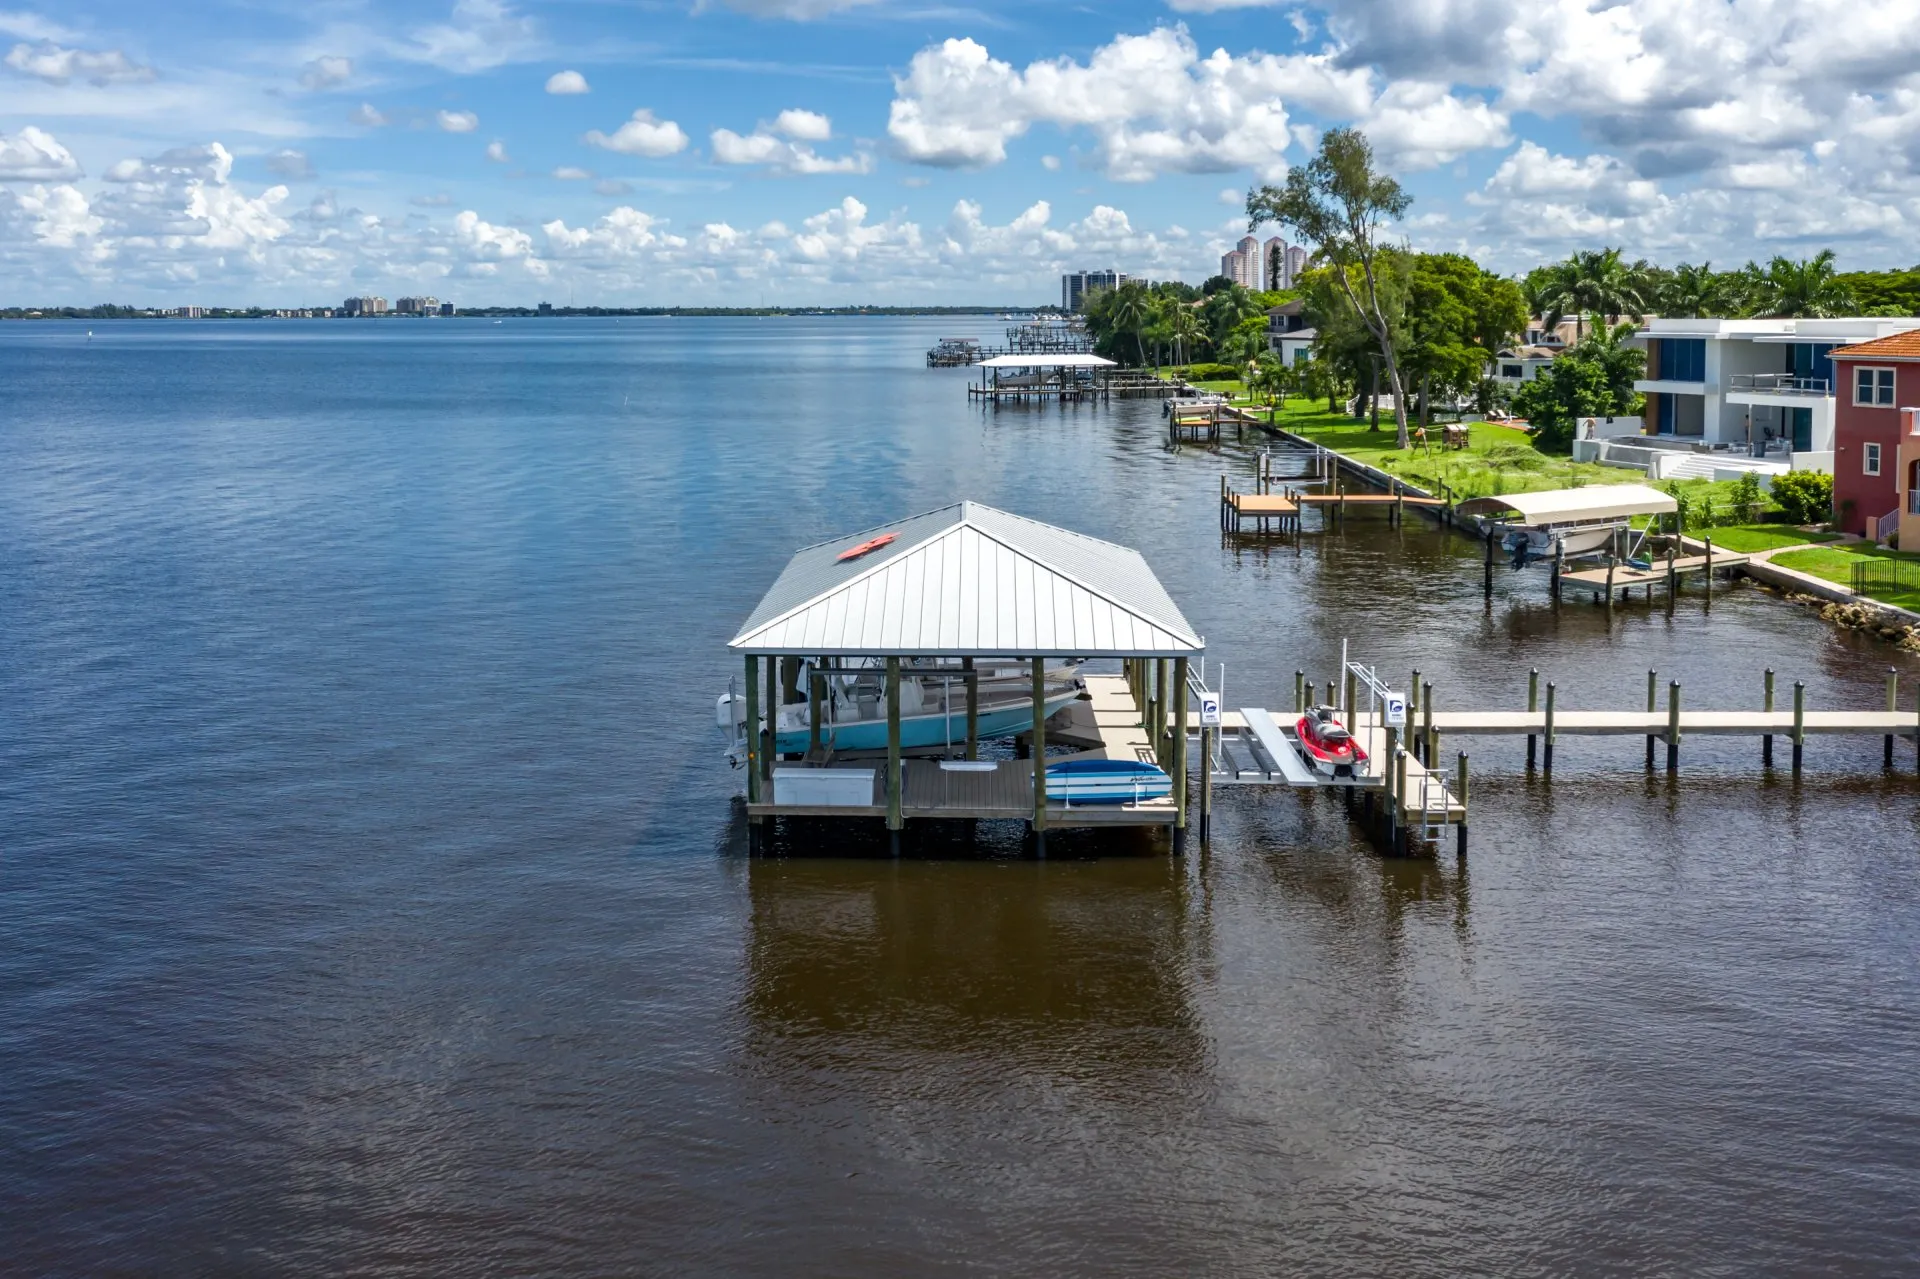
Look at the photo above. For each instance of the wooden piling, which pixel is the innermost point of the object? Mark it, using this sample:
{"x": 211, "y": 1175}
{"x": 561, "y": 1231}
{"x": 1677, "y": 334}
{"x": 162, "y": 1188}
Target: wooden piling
{"x": 1299, "y": 692}
{"x": 1673, "y": 726}
{"x": 1040, "y": 756}
{"x": 753, "y": 729}
{"x": 1429, "y": 733}
{"x": 1179, "y": 752}
{"x": 1489, "y": 568}
{"x": 1460, "y": 793}
{"x": 973, "y": 708}
{"x": 1799, "y": 723}
{"x": 1546, "y": 754}
{"x": 1766, "y": 741}
{"x": 1893, "y": 704}
{"x": 1653, "y": 704}
{"x": 895, "y": 820}
{"x": 816, "y": 696}
{"x": 772, "y": 750}
{"x": 1533, "y": 705}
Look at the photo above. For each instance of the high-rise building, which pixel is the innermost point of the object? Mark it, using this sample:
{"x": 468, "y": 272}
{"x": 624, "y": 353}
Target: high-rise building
{"x": 364, "y": 306}
{"x": 1242, "y": 263}
{"x": 1296, "y": 264}
{"x": 1273, "y": 257}
{"x": 1075, "y": 286}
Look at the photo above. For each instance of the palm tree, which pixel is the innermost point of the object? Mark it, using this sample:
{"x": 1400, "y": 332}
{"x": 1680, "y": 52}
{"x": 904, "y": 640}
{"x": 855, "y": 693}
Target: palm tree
{"x": 1623, "y": 365}
{"x": 1693, "y": 291}
{"x": 1806, "y": 289}
{"x": 1593, "y": 282}
{"x": 1184, "y": 327}
{"x": 1131, "y": 311}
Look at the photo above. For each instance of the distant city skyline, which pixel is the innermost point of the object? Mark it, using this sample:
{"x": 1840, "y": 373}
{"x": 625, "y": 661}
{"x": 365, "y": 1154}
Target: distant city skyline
{"x": 816, "y": 152}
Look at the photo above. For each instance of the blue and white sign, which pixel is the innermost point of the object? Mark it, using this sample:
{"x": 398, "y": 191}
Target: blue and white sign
{"x": 1209, "y": 710}
{"x": 1396, "y": 711}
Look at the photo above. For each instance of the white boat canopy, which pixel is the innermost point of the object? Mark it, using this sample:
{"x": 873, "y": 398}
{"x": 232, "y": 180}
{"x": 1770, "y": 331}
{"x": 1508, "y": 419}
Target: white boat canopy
{"x": 1575, "y": 506}
{"x": 964, "y": 581}
{"x": 1056, "y": 360}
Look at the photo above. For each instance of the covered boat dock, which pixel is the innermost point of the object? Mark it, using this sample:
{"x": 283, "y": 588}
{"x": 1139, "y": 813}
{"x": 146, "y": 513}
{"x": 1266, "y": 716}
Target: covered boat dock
{"x": 940, "y": 597}
{"x": 1059, "y": 375}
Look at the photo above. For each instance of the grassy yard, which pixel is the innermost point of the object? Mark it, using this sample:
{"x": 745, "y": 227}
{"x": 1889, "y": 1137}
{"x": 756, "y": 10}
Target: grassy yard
{"x": 1748, "y": 538}
{"x": 1835, "y": 564}
{"x": 1498, "y": 460}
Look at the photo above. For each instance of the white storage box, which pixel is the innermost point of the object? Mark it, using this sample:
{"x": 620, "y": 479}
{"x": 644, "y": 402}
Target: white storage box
{"x": 823, "y": 787}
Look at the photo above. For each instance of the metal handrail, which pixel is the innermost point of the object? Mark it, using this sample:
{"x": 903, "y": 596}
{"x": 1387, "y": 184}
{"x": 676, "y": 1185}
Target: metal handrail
{"x": 1783, "y": 382}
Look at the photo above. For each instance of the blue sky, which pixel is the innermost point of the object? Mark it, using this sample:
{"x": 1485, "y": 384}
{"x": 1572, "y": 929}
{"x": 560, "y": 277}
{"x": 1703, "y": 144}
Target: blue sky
{"x": 820, "y": 151}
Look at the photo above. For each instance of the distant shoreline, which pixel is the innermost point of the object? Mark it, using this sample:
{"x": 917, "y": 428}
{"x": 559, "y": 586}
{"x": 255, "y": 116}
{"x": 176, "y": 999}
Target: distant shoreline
{"x": 518, "y": 312}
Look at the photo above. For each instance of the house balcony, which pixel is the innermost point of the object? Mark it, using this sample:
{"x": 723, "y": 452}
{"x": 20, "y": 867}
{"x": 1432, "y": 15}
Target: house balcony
{"x": 1777, "y": 388}
{"x": 1664, "y": 386}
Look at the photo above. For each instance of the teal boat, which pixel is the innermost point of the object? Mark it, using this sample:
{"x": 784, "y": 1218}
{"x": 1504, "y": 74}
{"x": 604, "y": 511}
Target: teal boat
{"x": 933, "y": 710}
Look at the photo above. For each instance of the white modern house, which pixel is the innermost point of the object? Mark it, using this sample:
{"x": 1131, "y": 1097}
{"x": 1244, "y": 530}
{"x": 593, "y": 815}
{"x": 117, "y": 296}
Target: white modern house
{"x": 1760, "y": 389}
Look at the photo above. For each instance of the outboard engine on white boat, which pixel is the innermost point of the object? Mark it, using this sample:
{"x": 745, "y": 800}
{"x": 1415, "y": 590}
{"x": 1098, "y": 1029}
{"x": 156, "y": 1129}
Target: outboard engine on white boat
{"x": 1520, "y": 546}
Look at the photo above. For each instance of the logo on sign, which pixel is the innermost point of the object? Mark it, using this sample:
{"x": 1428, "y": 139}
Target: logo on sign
{"x": 1396, "y": 712}
{"x": 1210, "y": 711}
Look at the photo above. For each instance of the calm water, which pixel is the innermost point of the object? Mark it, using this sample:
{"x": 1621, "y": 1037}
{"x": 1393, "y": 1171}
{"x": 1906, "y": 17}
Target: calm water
{"x": 372, "y": 898}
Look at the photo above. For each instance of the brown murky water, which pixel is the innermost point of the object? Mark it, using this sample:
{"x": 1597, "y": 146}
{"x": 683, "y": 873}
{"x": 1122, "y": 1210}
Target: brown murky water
{"x": 374, "y": 898}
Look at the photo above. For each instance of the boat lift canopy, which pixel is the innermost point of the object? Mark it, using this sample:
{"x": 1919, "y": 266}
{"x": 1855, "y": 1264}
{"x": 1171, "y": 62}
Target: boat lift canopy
{"x": 963, "y": 581}
{"x": 1595, "y": 503}
{"x": 1051, "y": 360}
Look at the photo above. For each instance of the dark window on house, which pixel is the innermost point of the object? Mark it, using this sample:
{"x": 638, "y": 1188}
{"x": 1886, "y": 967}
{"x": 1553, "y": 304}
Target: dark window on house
{"x": 1873, "y": 387}
{"x": 1509, "y": 370}
{"x": 1809, "y": 360}
{"x": 1683, "y": 359}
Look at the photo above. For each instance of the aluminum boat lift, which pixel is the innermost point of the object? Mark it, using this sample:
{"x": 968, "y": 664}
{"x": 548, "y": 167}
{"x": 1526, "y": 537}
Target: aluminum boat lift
{"x": 1252, "y": 746}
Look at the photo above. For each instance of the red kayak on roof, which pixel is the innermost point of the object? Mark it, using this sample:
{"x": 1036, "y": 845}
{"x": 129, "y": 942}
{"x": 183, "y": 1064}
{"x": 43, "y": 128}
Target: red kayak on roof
{"x": 1327, "y": 744}
{"x": 855, "y": 552}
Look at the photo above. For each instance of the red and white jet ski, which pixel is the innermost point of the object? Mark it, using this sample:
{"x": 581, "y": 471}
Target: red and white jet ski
{"x": 1327, "y": 744}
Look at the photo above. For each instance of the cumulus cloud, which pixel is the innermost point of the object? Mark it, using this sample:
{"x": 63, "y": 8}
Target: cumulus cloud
{"x": 1152, "y": 102}
{"x": 325, "y": 73}
{"x": 33, "y": 155}
{"x": 803, "y": 126}
{"x": 290, "y": 163}
{"x": 57, "y": 65}
{"x": 567, "y": 82}
{"x": 497, "y": 152}
{"x": 457, "y": 121}
{"x": 782, "y": 146}
{"x": 572, "y": 173}
{"x": 641, "y": 135}
{"x": 368, "y": 115}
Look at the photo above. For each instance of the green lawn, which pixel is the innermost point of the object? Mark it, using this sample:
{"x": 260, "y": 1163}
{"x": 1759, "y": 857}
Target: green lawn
{"x": 1835, "y": 564}
{"x": 1748, "y": 538}
{"x": 1498, "y": 459}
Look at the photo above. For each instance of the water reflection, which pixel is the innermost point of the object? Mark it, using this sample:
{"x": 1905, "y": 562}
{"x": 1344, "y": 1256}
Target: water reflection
{"x": 1081, "y": 970}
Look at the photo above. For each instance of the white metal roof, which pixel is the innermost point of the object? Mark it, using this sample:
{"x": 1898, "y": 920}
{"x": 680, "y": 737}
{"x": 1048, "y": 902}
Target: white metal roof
{"x": 969, "y": 580}
{"x": 1056, "y": 360}
{"x": 1568, "y": 506}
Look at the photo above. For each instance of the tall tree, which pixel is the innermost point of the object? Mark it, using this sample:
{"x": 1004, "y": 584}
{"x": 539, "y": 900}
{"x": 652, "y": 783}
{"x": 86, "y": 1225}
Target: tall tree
{"x": 1594, "y": 282}
{"x": 1338, "y": 202}
{"x": 1807, "y": 289}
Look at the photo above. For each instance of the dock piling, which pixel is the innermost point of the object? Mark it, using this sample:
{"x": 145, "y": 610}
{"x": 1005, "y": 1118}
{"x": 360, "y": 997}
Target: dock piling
{"x": 1533, "y": 705}
{"x": 1430, "y": 738}
{"x": 1040, "y": 757}
{"x": 1299, "y": 692}
{"x": 894, "y": 807}
{"x": 1799, "y": 722}
{"x": 1893, "y": 704}
{"x": 1179, "y": 769}
{"x": 1653, "y": 704}
{"x": 1546, "y": 755}
{"x": 1460, "y": 831}
{"x": 1766, "y": 741}
{"x": 754, "y": 750}
{"x": 1673, "y": 726}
